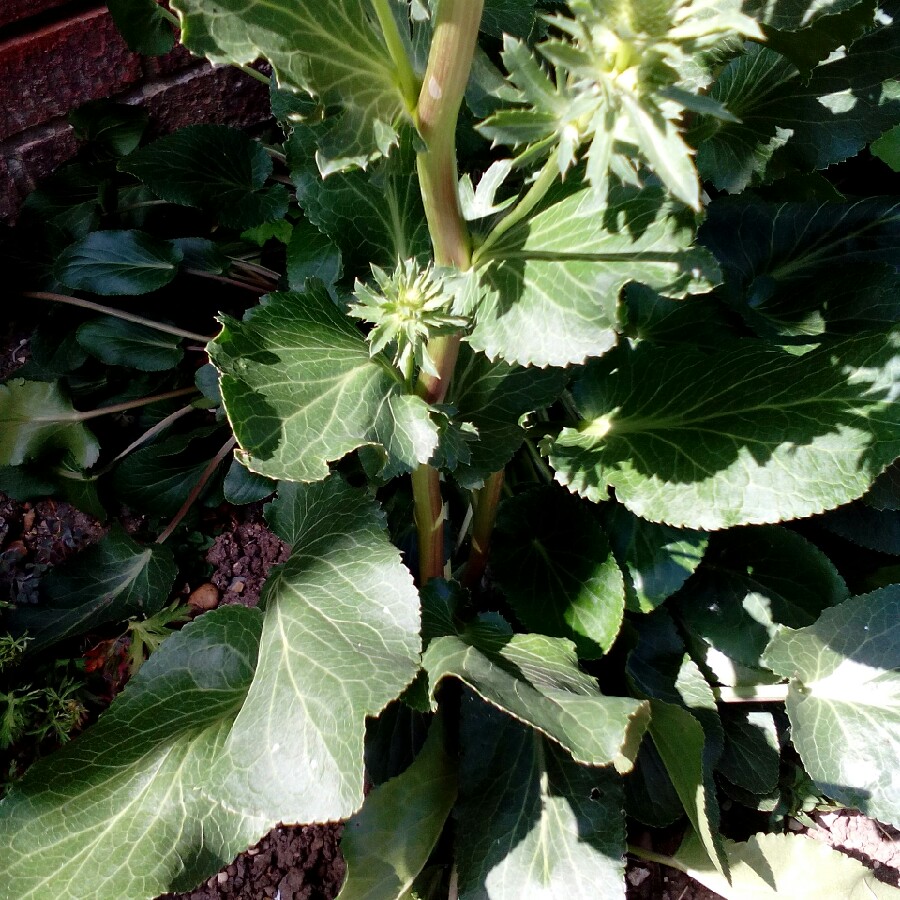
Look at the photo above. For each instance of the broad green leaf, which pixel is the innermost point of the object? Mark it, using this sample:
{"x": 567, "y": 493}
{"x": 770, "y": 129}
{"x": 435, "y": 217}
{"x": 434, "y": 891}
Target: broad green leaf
{"x": 120, "y": 343}
{"x": 650, "y": 796}
{"x": 748, "y": 435}
{"x": 202, "y": 255}
{"x": 887, "y": 148}
{"x": 536, "y": 679}
{"x": 340, "y": 641}
{"x": 493, "y": 397}
{"x": 130, "y": 809}
{"x": 36, "y": 419}
{"x": 311, "y": 254}
{"x": 109, "y": 582}
{"x": 242, "y": 486}
{"x": 143, "y": 25}
{"x": 118, "y": 262}
{"x": 782, "y": 865}
{"x": 791, "y": 124}
{"x": 794, "y": 15}
{"x": 655, "y": 559}
{"x": 387, "y": 843}
{"x": 552, "y": 282}
{"x": 680, "y": 740}
{"x": 875, "y": 529}
{"x": 844, "y": 700}
{"x": 373, "y": 217}
{"x": 754, "y": 580}
{"x": 515, "y": 17}
{"x": 116, "y": 127}
{"x": 885, "y": 492}
{"x": 752, "y": 756}
{"x": 808, "y": 268}
{"x": 331, "y": 49}
{"x": 553, "y": 562}
{"x": 531, "y": 823}
{"x": 301, "y": 390}
{"x": 157, "y": 479}
{"x": 215, "y": 168}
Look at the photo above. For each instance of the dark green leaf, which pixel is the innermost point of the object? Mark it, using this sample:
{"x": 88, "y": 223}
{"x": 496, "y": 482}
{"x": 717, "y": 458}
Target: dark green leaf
{"x": 301, "y": 391}
{"x": 656, "y": 560}
{"x": 844, "y": 700}
{"x": 752, "y": 757}
{"x": 650, "y": 796}
{"x": 213, "y": 167}
{"x": 887, "y": 148}
{"x": 493, "y": 397}
{"x": 551, "y": 559}
{"x": 748, "y": 435}
{"x": 340, "y": 641}
{"x": 310, "y": 254}
{"x": 35, "y": 419}
{"x": 531, "y": 822}
{"x": 130, "y": 808}
{"x": 202, "y": 255}
{"x": 117, "y": 127}
{"x": 875, "y": 529}
{"x": 118, "y": 262}
{"x": 243, "y": 486}
{"x": 143, "y": 25}
{"x": 120, "y": 343}
{"x": 109, "y": 582}
{"x": 387, "y": 843}
{"x": 515, "y": 17}
{"x": 552, "y": 281}
{"x": 754, "y": 580}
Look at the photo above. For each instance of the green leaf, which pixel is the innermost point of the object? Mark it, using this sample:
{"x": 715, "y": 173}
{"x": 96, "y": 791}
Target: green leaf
{"x": 515, "y": 17}
{"x": 301, "y": 390}
{"x": 373, "y": 217}
{"x": 215, "y": 168}
{"x": 808, "y": 268}
{"x": 747, "y": 435}
{"x": 781, "y": 865}
{"x": 120, "y": 343}
{"x": 552, "y": 281}
{"x": 655, "y": 559}
{"x": 875, "y": 529}
{"x": 844, "y": 700}
{"x": 91, "y": 820}
{"x": 752, "y": 756}
{"x": 157, "y": 479}
{"x": 242, "y": 486}
{"x": 531, "y": 822}
{"x": 551, "y": 559}
{"x": 791, "y": 124}
{"x": 340, "y": 641}
{"x": 116, "y": 127}
{"x": 387, "y": 843}
{"x": 143, "y": 25}
{"x": 493, "y": 397}
{"x": 109, "y": 582}
{"x": 887, "y": 148}
{"x": 650, "y": 796}
{"x": 311, "y": 254}
{"x": 118, "y": 262}
{"x": 753, "y": 581}
{"x": 795, "y": 15}
{"x": 330, "y": 49}
{"x": 536, "y": 679}
{"x": 36, "y": 419}
{"x": 202, "y": 255}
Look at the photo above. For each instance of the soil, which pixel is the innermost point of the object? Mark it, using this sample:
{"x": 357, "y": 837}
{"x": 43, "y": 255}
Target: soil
{"x": 304, "y": 862}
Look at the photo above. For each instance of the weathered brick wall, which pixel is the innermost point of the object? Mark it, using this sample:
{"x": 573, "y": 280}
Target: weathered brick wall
{"x": 58, "y": 54}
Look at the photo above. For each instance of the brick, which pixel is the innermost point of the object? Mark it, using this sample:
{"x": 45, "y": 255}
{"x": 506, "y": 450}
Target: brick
{"x": 16, "y": 10}
{"x": 176, "y": 61}
{"x": 38, "y": 154}
{"x": 209, "y": 94}
{"x": 48, "y": 72}
{"x": 9, "y": 193}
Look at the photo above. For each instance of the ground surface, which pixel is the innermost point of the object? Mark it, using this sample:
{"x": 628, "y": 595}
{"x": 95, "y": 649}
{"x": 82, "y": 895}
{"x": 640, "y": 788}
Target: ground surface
{"x": 303, "y": 862}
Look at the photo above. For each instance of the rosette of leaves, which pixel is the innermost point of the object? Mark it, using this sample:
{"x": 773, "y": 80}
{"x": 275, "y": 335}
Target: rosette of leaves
{"x": 619, "y": 87}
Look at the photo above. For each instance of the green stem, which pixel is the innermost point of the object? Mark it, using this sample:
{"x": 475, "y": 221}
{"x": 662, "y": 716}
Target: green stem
{"x": 121, "y": 407}
{"x": 482, "y": 528}
{"x": 234, "y": 282}
{"x": 248, "y": 70}
{"x": 409, "y": 85}
{"x": 752, "y": 693}
{"x": 118, "y": 313}
{"x": 538, "y": 190}
{"x": 197, "y": 489}
{"x": 537, "y": 461}
{"x": 444, "y": 84}
{"x": 650, "y": 856}
{"x": 170, "y": 17}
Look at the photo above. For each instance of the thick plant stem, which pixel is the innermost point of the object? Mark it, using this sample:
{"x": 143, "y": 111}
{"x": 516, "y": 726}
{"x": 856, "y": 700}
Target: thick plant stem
{"x": 482, "y": 528}
{"x": 119, "y": 314}
{"x": 443, "y": 87}
{"x": 409, "y": 87}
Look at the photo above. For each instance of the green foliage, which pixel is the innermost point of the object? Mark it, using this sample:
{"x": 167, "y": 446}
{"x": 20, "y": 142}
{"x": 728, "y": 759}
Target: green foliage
{"x": 624, "y": 434}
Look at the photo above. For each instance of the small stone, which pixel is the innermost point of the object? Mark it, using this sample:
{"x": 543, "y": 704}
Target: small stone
{"x": 794, "y": 825}
{"x": 236, "y": 586}
{"x": 204, "y": 597}
{"x": 638, "y": 876}
{"x": 222, "y": 877}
